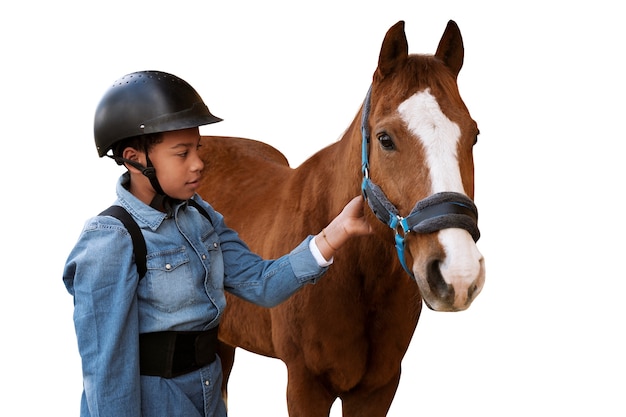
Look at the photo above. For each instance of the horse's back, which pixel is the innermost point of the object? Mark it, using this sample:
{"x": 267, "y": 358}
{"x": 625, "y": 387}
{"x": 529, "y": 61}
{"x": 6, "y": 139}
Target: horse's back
{"x": 228, "y": 151}
{"x": 239, "y": 174}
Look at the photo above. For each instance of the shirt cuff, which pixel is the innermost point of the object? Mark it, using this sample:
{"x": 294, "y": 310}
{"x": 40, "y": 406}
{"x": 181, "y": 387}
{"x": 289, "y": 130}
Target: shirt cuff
{"x": 321, "y": 261}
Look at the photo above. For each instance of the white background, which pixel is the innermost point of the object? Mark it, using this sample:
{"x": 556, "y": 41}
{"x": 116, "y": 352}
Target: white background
{"x": 544, "y": 80}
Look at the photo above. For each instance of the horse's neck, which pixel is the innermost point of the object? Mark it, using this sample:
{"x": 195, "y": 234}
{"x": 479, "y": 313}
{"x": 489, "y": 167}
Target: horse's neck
{"x": 341, "y": 159}
{"x": 339, "y": 164}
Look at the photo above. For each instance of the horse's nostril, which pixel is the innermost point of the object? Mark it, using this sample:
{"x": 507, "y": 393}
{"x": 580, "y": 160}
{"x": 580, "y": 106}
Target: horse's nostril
{"x": 471, "y": 291}
{"x": 437, "y": 285}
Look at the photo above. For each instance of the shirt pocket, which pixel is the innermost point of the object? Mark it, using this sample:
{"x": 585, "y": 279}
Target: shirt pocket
{"x": 170, "y": 280}
{"x": 216, "y": 262}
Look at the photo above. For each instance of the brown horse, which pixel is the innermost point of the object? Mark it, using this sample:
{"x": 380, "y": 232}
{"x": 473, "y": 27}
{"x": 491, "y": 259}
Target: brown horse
{"x": 345, "y": 336}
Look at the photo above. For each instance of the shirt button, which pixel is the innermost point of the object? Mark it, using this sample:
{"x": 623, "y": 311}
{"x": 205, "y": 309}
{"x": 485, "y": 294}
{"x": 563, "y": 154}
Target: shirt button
{"x": 206, "y": 383}
{"x": 168, "y": 266}
{"x": 203, "y": 256}
{"x": 215, "y": 244}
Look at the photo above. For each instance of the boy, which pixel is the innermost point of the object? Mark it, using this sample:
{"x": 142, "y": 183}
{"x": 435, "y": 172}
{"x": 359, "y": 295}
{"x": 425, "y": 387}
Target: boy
{"x": 148, "y": 343}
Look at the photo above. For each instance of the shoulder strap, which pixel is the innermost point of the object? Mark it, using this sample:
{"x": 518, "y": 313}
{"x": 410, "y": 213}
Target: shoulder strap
{"x": 139, "y": 244}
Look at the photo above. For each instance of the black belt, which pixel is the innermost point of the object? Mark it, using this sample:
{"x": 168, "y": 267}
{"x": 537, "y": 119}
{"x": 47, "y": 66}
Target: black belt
{"x": 169, "y": 354}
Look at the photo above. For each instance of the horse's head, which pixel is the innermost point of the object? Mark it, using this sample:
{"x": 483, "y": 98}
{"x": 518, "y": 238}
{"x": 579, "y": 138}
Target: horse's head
{"x": 414, "y": 117}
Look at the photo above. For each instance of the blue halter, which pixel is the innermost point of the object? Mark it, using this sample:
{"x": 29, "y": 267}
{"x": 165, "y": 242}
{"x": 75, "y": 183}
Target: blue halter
{"x": 435, "y": 212}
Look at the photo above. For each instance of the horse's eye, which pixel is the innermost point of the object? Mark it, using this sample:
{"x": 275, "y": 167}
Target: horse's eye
{"x": 386, "y": 142}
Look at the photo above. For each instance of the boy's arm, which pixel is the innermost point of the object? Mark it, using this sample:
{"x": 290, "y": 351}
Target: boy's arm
{"x": 103, "y": 278}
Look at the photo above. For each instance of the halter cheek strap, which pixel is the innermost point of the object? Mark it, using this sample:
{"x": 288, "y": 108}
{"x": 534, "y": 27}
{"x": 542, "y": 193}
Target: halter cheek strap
{"x": 436, "y": 212}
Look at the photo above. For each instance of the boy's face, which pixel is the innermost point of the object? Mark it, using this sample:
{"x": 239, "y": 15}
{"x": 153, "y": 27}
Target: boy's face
{"x": 177, "y": 163}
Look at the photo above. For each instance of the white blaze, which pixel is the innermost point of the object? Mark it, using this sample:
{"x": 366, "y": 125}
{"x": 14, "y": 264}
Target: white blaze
{"x": 440, "y": 137}
{"x": 463, "y": 265}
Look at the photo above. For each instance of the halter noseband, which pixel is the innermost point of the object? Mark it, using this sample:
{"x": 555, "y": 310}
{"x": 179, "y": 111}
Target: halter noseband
{"x": 436, "y": 212}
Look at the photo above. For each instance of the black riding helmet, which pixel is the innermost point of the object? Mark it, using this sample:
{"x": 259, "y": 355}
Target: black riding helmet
{"x": 146, "y": 102}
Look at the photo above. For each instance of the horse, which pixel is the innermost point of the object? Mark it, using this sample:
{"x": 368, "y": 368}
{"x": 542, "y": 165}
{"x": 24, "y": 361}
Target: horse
{"x": 411, "y": 141}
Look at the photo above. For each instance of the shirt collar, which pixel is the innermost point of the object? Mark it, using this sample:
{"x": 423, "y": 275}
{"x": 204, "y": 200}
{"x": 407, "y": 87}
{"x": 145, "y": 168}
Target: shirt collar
{"x": 143, "y": 213}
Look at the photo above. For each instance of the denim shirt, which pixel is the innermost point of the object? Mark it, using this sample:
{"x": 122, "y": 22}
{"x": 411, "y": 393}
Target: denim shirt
{"x": 190, "y": 262}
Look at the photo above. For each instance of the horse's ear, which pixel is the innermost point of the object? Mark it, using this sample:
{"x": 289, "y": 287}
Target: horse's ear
{"x": 394, "y": 50}
{"x": 450, "y": 49}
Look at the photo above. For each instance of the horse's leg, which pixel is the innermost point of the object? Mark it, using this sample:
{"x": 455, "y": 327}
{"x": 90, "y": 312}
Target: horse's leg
{"x": 306, "y": 395}
{"x": 227, "y": 356}
{"x": 370, "y": 403}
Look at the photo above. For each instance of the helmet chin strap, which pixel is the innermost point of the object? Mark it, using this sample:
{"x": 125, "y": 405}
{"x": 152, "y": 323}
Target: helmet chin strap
{"x": 149, "y": 171}
{"x": 161, "y": 201}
